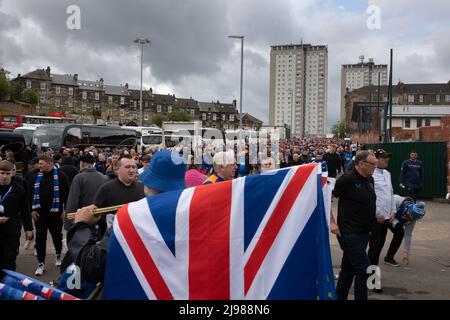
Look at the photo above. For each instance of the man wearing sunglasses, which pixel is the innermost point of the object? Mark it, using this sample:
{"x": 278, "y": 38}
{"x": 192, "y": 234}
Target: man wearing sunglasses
{"x": 355, "y": 220}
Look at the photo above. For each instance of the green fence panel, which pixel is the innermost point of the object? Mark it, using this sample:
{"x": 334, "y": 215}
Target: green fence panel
{"x": 434, "y": 158}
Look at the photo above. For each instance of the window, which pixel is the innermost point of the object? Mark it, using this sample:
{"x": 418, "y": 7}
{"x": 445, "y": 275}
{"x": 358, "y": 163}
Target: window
{"x": 84, "y": 95}
{"x": 427, "y": 122}
{"x": 419, "y": 123}
{"x": 135, "y": 103}
{"x": 231, "y": 117}
{"x": 110, "y": 99}
{"x": 43, "y": 86}
{"x": 395, "y": 100}
{"x": 158, "y": 108}
{"x": 97, "y": 96}
{"x": 70, "y": 105}
{"x": 224, "y": 117}
{"x": 42, "y": 99}
{"x": 421, "y": 98}
{"x": 407, "y": 123}
{"x": 192, "y": 112}
{"x": 57, "y": 102}
{"x": 28, "y": 84}
{"x": 73, "y": 137}
{"x": 84, "y": 106}
{"x": 447, "y": 98}
{"x": 70, "y": 91}
{"x": 214, "y": 117}
{"x": 410, "y": 98}
{"x": 122, "y": 112}
{"x": 110, "y": 112}
{"x": 58, "y": 90}
{"x": 122, "y": 100}
{"x": 169, "y": 109}
{"x": 204, "y": 116}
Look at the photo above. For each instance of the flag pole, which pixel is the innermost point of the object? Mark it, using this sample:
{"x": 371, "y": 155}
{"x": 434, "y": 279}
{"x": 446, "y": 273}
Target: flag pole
{"x": 98, "y": 211}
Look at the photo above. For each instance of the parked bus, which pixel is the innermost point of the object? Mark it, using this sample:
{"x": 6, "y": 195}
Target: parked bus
{"x": 81, "y": 136}
{"x": 27, "y": 131}
{"x": 149, "y": 136}
{"x": 12, "y": 121}
{"x": 13, "y": 142}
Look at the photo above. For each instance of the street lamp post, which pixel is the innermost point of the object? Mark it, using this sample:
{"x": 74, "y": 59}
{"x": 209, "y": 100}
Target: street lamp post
{"x": 141, "y": 41}
{"x": 242, "y": 73}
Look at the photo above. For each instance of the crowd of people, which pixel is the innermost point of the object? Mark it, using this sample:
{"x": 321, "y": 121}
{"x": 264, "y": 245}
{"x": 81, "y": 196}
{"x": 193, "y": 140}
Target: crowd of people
{"x": 56, "y": 183}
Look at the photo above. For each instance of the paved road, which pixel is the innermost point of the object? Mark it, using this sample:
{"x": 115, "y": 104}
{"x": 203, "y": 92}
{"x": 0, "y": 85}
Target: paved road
{"x": 427, "y": 276}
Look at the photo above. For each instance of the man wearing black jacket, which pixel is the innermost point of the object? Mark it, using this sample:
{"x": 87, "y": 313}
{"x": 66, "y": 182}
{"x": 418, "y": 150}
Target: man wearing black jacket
{"x": 13, "y": 214}
{"x": 44, "y": 214}
{"x": 356, "y": 218}
{"x": 333, "y": 161}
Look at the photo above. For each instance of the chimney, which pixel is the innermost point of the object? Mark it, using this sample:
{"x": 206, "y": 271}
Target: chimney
{"x": 75, "y": 76}
{"x": 18, "y": 76}
{"x": 101, "y": 82}
{"x": 48, "y": 71}
{"x": 126, "y": 86}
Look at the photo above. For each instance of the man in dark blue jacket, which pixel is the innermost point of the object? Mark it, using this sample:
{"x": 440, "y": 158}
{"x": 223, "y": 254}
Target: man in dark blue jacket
{"x": 411, "y": 175}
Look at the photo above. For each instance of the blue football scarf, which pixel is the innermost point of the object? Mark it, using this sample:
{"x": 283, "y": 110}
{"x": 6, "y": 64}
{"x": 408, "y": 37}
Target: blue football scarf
{"x": 36, "y": 201}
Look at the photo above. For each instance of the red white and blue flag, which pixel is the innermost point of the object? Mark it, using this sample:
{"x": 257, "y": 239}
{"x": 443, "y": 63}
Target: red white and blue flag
{"x": 258, "y": 237}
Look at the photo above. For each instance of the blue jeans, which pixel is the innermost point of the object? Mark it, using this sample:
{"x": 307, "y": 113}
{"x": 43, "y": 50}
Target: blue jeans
{"x": 355, "y": 262}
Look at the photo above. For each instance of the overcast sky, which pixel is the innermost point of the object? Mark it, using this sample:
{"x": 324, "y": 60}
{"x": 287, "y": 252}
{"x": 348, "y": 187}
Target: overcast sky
{"x": 190, "y": 52}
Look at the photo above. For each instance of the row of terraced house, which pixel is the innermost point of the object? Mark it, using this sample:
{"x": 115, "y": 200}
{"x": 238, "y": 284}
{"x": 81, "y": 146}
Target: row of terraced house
{"x": 97, "y": 102}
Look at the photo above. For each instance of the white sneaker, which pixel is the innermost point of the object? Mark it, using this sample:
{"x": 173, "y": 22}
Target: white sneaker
{"x": 40, "y": 269}
{"x": 58, "y": 260}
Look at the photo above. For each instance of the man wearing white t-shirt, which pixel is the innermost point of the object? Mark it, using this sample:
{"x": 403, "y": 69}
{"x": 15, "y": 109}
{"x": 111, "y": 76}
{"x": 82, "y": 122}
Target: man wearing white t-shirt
{"x": 385, "y": 206}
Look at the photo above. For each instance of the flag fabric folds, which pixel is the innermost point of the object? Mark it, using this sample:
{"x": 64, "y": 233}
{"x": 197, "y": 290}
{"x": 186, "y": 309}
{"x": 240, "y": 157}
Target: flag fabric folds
{"x": 257, "y": 237}
{"x": 16, "y": 284}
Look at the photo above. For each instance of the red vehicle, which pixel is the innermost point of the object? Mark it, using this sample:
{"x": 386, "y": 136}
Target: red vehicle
{"x": 12, "y": 121}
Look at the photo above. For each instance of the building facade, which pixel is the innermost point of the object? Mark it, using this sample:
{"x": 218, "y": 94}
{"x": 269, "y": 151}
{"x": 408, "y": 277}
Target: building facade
{"x": 355, "y": 76}
{"x": 97, "y": 102}
{"x": 218, "y": 115}
{"x": 299, "y": 88}
{"x": 413, "y": 106}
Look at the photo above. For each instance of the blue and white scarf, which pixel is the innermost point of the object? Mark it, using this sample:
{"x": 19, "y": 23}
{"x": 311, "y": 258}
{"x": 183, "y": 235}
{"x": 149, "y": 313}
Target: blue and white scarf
{"x": 36, "y": 201}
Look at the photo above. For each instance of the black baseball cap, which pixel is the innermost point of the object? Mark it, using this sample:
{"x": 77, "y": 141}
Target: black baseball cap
{"x": 380, "y": 153}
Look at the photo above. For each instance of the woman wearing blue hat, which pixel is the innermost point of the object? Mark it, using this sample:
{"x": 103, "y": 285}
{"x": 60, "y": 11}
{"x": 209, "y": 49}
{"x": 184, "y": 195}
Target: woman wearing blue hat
{"x": 402, "y": 226}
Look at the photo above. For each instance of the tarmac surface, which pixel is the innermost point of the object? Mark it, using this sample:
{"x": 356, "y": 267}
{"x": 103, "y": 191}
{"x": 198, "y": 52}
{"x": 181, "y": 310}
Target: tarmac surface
{"x": 427, "y": 276}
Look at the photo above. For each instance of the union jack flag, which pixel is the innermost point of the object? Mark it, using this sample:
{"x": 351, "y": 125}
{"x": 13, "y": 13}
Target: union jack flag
{"x": 258, "y": 237}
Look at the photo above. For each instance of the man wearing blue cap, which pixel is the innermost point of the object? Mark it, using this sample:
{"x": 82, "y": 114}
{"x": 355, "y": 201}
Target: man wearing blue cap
{"x": 165, "y": 173}
{"x": 402, "y": 226}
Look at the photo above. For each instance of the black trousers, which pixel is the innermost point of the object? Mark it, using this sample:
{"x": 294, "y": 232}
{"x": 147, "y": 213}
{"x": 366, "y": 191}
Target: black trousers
{"x": 48, "y": 221}
{"x": 9, "y": 248}
{"x": 376, "y": 241}
{"x": 353, "y": 266}
{"x": 396, "y": 241}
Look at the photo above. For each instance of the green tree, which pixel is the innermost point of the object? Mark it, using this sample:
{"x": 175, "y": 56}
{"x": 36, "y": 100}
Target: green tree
{"x": 339, "y": 130}
{"x": 5, "y": 86}
{"x": 179, "y": 115}
{"x": 31, "y": 96}
{"x": 159, "y": 118}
